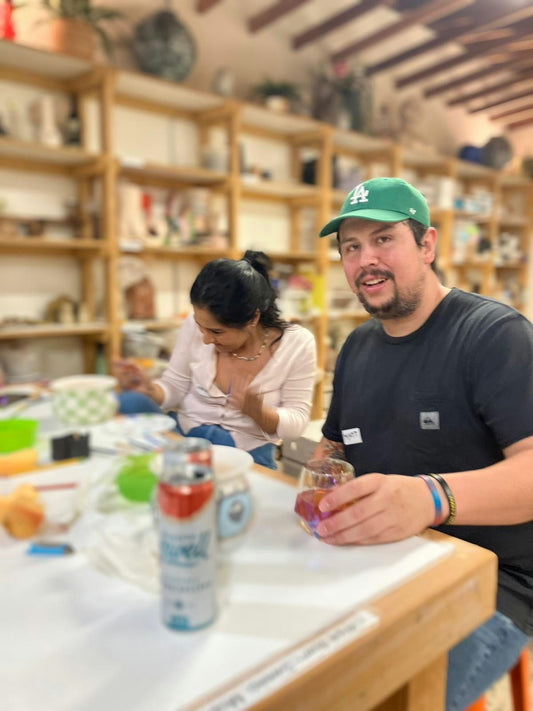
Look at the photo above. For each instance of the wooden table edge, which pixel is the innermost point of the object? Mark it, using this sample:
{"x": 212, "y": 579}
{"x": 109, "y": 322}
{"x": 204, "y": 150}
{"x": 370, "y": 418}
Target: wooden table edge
{"x": 459, "y": 594}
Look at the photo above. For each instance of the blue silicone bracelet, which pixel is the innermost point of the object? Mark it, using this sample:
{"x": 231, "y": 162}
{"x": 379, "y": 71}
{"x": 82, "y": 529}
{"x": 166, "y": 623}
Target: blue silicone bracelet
{"x": 436, "y": 497}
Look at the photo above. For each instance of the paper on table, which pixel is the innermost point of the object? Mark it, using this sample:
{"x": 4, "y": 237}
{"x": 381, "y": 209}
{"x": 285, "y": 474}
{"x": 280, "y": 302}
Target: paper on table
{"x": 98, "y": 639}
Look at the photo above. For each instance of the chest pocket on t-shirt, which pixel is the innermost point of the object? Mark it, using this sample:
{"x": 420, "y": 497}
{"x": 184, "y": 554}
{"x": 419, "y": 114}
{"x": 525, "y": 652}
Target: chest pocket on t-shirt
{"x": 432, "y": 424}
{"x": 429, "y": 411}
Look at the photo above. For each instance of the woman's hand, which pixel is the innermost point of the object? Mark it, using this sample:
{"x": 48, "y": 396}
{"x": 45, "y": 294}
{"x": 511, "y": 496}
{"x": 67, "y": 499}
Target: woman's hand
{"x": 131, "y": 377}
{"x": 243, "y": 398}
{"x": 379, "y": 508}
{"x": 250, "y": 402}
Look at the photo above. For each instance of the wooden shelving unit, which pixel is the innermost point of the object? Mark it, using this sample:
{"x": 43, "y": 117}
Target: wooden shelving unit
{"x": 53, "y": 330}
{"x": 117, "y": 90}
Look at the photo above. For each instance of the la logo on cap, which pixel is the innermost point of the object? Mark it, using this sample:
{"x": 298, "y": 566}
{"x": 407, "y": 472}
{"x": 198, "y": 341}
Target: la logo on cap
{"x": 359, "y": 194}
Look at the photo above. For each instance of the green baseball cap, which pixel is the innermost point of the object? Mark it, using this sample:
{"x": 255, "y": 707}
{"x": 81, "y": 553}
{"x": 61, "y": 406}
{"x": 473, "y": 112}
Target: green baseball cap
{"x": 382, "y": 200}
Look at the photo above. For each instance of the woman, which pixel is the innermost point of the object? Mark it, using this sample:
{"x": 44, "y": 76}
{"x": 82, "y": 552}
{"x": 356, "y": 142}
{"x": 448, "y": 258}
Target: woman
{"x": 239, "y": 375}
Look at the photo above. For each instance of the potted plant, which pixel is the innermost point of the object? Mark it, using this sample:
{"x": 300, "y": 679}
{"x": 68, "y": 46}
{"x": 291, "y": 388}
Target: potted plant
{"x": 76, "y": 24}
{"x": 277, "y": 95}
{"x": 341, "y": 96}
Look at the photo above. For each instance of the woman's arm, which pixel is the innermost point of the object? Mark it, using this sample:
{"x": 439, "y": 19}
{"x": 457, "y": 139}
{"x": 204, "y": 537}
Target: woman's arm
{"x": 298, "y": 386}
{"x": 174, "y": 383}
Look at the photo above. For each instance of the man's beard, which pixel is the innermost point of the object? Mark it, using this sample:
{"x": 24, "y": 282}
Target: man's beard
{"x": 398, "y": 306}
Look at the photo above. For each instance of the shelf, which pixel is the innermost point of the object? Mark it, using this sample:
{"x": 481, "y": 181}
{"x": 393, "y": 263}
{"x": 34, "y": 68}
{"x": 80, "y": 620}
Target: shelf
{"x": 510, "y": 180}
{"x": 52, "y": 330}
{"x": 338, "y": 197}
{"x": 487, "y": 264}
{"x": 34, "y": 153}
{"x": 158, "y": 324}
{"x": 465, "y": 169}
{"x": 40, "y": 245}
{"x": 146, "y": 172}
{"x": 292, "y": 256}
{"x": 509, "y": 265}
{"x": 471, "y": 216}
{"x": 278, "y": 124}
{"x": 348, "y": 315}
{"x": 352, "y": 141}
{"x": 412, "y": 158}
{"x": 279, "y": 190}
{"x": 176, "y": 253}
{"x": 302, "y": 318}
{"x": 513, "y": 221}
{"x": 150, "y": 89}
{"x": 52, "y": 65}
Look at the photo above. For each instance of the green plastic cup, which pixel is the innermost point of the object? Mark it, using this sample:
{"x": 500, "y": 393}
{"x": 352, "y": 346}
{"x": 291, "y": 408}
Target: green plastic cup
{"x": 17, "y": 434}
{"x": 136, "y": 480}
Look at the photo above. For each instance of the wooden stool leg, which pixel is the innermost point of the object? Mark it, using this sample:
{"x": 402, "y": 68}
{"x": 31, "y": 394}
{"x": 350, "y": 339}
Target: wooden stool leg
{"x": 520, "y": 682}
{"x": 478, "y": 705}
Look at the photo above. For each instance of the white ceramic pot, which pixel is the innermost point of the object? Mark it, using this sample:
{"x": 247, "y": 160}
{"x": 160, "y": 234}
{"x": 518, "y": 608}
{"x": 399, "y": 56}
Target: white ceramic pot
{"x": 234, "y": 500}
{"x": 84, "y": 399}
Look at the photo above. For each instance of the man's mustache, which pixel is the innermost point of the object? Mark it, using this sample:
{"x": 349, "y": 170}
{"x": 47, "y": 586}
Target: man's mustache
{"x": 375, "y": 274}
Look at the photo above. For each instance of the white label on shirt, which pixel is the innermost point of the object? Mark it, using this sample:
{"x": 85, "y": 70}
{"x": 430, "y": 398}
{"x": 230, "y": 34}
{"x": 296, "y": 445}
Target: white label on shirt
{"x": 352, "y": 436}
{"x": 430, "y": 420}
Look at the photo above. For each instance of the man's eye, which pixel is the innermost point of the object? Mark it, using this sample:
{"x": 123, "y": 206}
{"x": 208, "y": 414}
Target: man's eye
{"x": 383, "y": 239}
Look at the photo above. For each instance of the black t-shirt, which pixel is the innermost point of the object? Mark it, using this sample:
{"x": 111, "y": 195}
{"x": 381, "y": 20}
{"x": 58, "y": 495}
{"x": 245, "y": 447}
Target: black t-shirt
{"x": 448, "y": 397}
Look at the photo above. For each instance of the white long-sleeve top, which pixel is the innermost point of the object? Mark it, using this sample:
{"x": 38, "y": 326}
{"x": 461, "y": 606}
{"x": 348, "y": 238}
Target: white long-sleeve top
{"x": 286, "y": 383}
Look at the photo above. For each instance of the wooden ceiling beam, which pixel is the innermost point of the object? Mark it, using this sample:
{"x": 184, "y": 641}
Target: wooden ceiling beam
{"x": 467, "y": 56}
{"x": 492, "y": 16}
{"x": 487, "y": 15}
{"x": 415, "y": 51}
{"x": 335, "y": 21}
{"x": 428, "y": 12}
{"x": 205, "y": 5}
{"x": 465, "y": 98}
{"x": 511, "y": 97}
{"x": 511, "y": 112}
{"x": 468, "y": 78}
{"x": 272, "y": 13}
{"x": 519, "y": 124}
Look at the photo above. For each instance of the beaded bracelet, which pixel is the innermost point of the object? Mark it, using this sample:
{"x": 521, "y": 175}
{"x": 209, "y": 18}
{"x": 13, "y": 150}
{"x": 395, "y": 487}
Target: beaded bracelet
{"x": 449, "y": 495}
{"x": 436, "y": 497}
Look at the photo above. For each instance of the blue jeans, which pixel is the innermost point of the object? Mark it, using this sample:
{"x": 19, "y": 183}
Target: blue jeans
{"x": 481, "y": 659}
{"x": 131, "y": 402}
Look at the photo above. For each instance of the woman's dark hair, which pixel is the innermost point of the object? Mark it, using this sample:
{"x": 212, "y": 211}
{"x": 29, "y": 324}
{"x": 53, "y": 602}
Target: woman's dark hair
{"x": 234, "y": 290}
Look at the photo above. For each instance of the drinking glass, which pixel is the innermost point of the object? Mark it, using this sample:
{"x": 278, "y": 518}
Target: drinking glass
{"x": 318, "y": 477}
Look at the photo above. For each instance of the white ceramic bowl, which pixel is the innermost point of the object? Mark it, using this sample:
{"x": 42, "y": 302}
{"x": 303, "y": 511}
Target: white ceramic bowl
{"x": 84, "y": 399}
{"x": 230, "y": 461}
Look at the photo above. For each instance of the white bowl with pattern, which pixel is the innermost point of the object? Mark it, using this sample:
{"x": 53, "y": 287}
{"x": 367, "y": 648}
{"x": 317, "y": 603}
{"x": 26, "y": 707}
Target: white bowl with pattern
{"x": 84, "y": 399}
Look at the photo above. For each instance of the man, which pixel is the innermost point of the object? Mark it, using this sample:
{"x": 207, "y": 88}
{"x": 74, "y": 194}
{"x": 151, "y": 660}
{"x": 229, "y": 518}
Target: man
{"x": 438, "y": 383}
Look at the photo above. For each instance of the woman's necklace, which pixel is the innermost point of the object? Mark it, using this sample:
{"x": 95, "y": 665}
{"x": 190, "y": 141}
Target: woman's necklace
{"x": 255, "y": 357}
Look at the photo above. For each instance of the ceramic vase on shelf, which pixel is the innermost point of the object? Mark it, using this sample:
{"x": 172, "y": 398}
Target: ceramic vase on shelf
{"x": 43, "y": 115}
{"x": 69, "y": 35}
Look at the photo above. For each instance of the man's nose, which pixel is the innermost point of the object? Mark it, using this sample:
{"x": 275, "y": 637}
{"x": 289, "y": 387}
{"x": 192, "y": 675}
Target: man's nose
{"x": 368, "y": 256}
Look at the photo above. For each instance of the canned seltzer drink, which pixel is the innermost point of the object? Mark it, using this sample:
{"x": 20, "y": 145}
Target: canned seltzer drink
{"x": 185, "y": 507}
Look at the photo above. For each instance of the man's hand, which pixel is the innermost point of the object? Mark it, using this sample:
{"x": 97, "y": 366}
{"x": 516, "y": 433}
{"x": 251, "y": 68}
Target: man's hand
{"x": 380, "y": 508}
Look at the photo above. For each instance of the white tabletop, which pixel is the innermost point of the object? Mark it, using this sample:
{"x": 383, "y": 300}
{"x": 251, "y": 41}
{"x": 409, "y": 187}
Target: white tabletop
{"x": 74, "y": 637}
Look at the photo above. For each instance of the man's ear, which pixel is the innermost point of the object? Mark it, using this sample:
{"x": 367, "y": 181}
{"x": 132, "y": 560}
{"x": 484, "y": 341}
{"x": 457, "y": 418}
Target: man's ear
{"x": 429, "y": 245}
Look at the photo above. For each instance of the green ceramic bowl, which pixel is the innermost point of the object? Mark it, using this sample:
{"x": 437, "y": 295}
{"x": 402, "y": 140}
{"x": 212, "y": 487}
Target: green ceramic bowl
{"x": 17, "y": 434}
{"x": 136, "y": 480}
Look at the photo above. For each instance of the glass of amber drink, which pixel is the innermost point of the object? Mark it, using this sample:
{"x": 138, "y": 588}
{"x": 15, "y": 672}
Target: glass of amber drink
{"x": 317, "y": 478}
